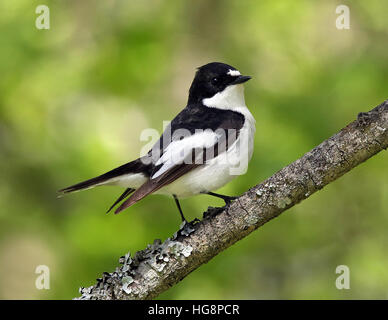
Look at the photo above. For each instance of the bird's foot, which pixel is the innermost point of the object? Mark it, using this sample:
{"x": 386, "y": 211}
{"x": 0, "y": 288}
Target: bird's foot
{"x": 187, "y": 228}
{"x": 212, "y": 212}
{"x": 228, "y": 199}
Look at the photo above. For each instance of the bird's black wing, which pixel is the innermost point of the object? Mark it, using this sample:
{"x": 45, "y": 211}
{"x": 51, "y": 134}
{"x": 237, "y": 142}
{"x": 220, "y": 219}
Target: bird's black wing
{"x": 198, "y": 117}
{"x": 193, "y": 137}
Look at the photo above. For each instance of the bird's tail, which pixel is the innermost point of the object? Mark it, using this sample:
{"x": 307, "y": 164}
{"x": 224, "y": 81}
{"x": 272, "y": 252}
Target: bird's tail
{"x": 136, "y": 166}
{"x": 125, "y": 194}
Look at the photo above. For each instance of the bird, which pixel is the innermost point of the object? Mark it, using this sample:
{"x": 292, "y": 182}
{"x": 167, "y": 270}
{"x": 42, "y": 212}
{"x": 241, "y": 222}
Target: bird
{"x": 208, "y": 144}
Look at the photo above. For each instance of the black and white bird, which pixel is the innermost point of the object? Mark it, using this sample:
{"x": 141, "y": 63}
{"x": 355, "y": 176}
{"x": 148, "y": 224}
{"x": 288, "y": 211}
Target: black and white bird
{"x": 195, "y": 154}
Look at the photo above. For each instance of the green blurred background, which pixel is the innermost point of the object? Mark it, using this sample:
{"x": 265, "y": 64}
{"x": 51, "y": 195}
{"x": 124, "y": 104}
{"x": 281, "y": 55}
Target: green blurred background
{"x": 74, "y": 100}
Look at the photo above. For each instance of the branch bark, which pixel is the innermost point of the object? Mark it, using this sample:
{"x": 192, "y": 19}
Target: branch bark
{"x": 162, "y": 265}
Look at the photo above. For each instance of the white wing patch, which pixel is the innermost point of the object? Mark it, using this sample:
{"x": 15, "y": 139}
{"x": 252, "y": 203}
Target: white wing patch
{"x": 180, "y": 150}
{"x": 234, "y": 73}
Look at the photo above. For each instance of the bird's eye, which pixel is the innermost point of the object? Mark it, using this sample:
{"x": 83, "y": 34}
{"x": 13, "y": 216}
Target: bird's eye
{"x": 215, "y": 80}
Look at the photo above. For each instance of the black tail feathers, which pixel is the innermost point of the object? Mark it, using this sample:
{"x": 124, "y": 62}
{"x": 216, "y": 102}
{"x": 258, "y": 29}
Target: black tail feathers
{"x": 136, "y": 166}
{"x": 125, "y": 194}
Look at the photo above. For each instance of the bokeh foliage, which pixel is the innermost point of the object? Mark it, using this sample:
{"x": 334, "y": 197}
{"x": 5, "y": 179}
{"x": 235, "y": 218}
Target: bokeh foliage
{"x": 74, "y": 100}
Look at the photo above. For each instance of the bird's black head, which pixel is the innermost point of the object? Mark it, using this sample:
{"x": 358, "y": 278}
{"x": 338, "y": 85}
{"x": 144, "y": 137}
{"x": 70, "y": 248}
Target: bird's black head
{"x": 213, "y": 78}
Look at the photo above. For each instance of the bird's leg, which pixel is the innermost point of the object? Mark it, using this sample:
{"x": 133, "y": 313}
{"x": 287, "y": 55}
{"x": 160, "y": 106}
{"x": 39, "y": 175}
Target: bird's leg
{"x": 179, "y": 207}
{"x": 227, "y": 199}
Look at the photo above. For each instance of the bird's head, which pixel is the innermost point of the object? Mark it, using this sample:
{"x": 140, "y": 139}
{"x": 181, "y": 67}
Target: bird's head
{"x": 212, "y": 79}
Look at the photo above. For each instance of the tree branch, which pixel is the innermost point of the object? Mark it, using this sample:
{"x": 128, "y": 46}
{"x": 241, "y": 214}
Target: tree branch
{"x": 162, "y": 265}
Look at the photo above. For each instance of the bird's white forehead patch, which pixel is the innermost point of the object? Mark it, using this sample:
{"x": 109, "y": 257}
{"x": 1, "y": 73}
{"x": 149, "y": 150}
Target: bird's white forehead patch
{"x": 234, "y": 73}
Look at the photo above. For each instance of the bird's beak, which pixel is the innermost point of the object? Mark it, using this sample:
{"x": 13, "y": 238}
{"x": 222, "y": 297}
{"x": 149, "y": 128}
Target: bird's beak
{"x": 241, "y": 79}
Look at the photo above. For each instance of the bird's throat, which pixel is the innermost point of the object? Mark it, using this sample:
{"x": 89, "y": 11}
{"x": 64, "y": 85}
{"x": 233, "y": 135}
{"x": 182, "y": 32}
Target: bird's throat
{"x": 230, "y": 98}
